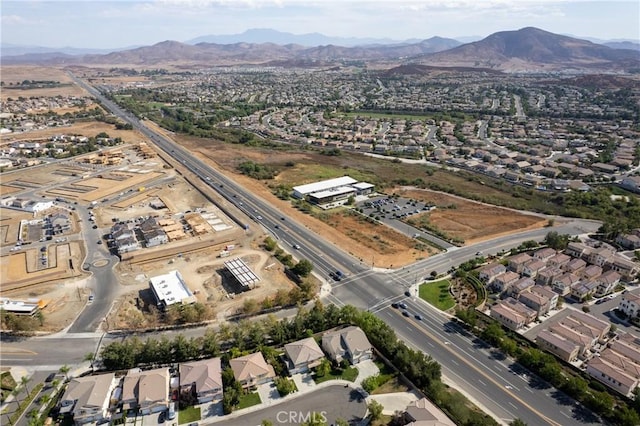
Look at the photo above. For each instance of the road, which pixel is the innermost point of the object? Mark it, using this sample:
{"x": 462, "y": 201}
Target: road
{"x": 365, "y": 287}
{"x": 337, "y": 402}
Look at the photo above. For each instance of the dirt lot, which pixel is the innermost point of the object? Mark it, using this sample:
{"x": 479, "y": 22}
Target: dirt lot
{"x": 469, "y": 220}
{"x": 88, "y": 129}
{"x": 17, "y": 74}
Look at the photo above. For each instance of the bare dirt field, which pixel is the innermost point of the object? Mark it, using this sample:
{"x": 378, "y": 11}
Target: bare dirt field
{"x": 19, "y": 73}
{"x": 19, "y": 273}
{"x": 471, "y": 221}
{"x": 88, "y": 129}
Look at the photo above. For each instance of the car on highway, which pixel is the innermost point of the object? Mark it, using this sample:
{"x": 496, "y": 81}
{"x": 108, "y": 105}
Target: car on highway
{"x": 259, "y": 217}
{"x": 394, "y": 305}
{"x": 91, "y": 297}
{"x": 407, "y": 293}
{"x": 418, "y": 317}
{"x": 282, "y": 218}
{"x": 406, "y": 314}
{"x": 402, "y": 305}
{"x": 296, "y": 246}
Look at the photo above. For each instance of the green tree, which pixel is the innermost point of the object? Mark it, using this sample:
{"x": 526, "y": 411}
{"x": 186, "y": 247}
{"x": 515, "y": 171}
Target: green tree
{"x": 285, "y": 386}
{"x": 323, "y": 368}
{"x": 302, "y": 268}
{"x": 65, "y": 370}
{"x": 375, "y": 410}
{"x": 517, "y": 422}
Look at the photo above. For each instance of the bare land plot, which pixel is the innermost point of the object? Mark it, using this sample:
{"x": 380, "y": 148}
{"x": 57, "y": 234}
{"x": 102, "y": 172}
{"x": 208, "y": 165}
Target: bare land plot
{"x": 19, "y": 73}
{"x": 468, "y": 220}
{"x": 19, "y": 271}
{"x": 84, "y": 128}
{"x": 10, "y": 224}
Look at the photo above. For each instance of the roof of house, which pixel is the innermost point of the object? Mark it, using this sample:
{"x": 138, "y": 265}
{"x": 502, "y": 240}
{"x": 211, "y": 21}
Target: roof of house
{"x": 557, "y": 340}
{"x": 351, "y": 338}
{"x": 146, "y": 386}
{"x": 250, "y": 366}
{"x": 602, "y": 366}
{"x": 206, "y": 374}
{"x": 303, "y": 351}
{"x": 89, "y": 391}
{"x": 424, "y": 412}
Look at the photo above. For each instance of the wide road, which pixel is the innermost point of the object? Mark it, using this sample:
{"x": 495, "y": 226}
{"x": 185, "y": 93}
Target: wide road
{"x": 372, "y": 289}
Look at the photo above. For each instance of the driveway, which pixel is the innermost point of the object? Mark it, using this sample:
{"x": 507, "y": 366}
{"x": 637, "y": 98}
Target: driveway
{"x": 304, "y": 382}
{"x": 268, "y": 393}
{"x": 366, "y": 369}
{"x": 393, "y": 402}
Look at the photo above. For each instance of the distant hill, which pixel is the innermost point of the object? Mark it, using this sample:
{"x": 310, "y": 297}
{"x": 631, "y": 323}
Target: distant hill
{"x": 7, "y": 49}
{"x": 623, "y": 45}
{"x": 533, "y": 49}
{"x": 263, "y": 35}
{"x": 528, "y": 49}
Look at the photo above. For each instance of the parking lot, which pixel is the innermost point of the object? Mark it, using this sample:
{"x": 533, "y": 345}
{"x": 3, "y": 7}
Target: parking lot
{"x": 394, "y": 212}
{"x": 394, "y": 208}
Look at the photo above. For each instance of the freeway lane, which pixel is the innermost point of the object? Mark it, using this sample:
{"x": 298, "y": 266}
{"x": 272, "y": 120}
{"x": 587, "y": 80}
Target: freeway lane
{"x": 365, "y": 288}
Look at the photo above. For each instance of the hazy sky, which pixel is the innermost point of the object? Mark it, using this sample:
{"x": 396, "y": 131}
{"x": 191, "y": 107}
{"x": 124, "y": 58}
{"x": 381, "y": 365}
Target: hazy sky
{"x": 120, "y": 23}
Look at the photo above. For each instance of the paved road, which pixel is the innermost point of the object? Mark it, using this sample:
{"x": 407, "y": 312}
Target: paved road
{"x": 337, "y": 402}
{"x": 367, "y": 288}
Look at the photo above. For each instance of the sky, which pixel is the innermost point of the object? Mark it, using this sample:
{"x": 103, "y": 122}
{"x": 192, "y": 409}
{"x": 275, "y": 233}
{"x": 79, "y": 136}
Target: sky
{"x": 124, "y": 23}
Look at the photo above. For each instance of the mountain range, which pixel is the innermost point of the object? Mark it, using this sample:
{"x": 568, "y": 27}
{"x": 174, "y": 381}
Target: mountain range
{"x": 527, "y": 49}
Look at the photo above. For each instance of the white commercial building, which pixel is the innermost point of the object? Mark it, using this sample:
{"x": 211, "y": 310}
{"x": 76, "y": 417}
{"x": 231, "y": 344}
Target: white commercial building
{"x": 170, "y": 289}
{"x": 303, "y": 190}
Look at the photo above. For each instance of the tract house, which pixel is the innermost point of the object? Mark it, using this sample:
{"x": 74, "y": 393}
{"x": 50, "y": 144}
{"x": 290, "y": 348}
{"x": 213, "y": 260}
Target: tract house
{"x": 146, "y": 391}
{"x": 348, "y": 343}
{"x": 87, "y": 398}
{"x": 303, "y": 355}
{"x": 251, "y": 370}
{"x": 202, "y": 379}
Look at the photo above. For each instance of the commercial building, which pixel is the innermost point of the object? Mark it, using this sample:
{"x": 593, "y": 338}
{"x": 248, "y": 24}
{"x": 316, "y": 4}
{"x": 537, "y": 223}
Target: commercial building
{"x": 170, "y": 289}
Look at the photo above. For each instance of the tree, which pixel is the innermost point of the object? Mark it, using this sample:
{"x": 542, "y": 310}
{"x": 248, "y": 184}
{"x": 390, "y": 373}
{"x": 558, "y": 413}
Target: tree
{"x": 375, "y": 410}
{"x": 302, "y": 268}
{"x": 266, "y": 423}
{"x": 517, "y": 422}
{"x": 250, "y": 306}
{"x": 323, "y": 368}
{"x": 24, "y": 381}
{"x": 285, "y": 386}
{"x": 65, "y": 370}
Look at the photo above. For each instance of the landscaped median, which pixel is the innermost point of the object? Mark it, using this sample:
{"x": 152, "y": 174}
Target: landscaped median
{"x": 437, "y": 293}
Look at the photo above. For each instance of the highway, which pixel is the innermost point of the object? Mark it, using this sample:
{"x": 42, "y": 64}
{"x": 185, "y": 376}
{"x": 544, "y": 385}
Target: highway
{"x": 486, "y": 379}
